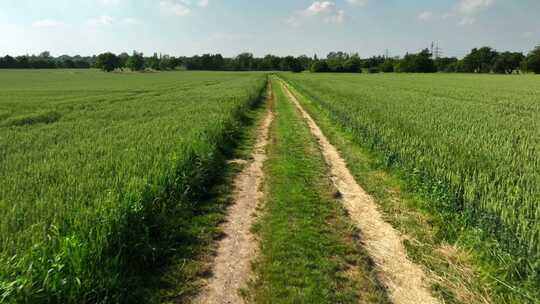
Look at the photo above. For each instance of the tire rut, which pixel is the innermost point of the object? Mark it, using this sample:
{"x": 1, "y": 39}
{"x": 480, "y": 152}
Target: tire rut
{"x": 404, "y": 280}
{"x": 231, "y": 268}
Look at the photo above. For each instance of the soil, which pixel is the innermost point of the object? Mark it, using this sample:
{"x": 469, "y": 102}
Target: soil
{"x": 231, "y": 269}
{"x": 404, "y": 280}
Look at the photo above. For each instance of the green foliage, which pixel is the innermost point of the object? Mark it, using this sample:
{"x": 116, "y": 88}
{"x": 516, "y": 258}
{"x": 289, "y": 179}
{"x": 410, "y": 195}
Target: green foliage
{"x": 467, "y": 142}
{"x": 107, "y": 62}
{"x": 479, "y": 60}
{"x": 319, "y": 66}
{"x": 417, "y": 63}
{"x": 388, "y": 66}
{"x": 135, "y": 62}
{"x": 338, "y": 62}
{"x": 353, "y": 64}
{"x": 507, "y": 62}
{"x": 292, "y": 64}
{"x": 103, "y": 195}
{"x": 446, "y": 64}
{"x": 154, "y": 62}
{"x": 532, "y": 62}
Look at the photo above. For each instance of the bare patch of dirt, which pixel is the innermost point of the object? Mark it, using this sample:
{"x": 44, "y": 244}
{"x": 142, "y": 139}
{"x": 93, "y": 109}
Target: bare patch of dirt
{"x": 405, "y": 281}
{"x": 231, "y": 268}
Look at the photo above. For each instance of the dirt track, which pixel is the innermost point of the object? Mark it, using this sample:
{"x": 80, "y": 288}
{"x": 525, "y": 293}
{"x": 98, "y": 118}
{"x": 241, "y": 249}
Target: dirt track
{"x": 232, "y": 265}
{"x": 404, "y": 280}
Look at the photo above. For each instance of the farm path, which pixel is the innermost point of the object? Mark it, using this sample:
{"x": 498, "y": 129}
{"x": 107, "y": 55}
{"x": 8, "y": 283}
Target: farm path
{"x": 404, "y": 280}
{"x": 232, "y": 265}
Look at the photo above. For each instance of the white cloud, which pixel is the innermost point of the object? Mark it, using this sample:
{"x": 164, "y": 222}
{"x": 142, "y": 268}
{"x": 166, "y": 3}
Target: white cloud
{"x": 204, "y": 3}
{"x": 358, "y": 2}
{"x": 47, "y": 23}
{"x": 177, "y": 8}
{"x": 320, "y": 7}
{"x": 467, "y": 11}
{"x": 326, "y": 10}
{"x": 425, "y": 16}
{"x": 470, "y": 7}
{"x": 101, "y": 21}
{"x": 181, "y": 8}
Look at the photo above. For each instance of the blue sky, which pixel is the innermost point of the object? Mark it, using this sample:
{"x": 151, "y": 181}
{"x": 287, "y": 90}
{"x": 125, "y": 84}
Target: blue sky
{"x": 187, "y": 27}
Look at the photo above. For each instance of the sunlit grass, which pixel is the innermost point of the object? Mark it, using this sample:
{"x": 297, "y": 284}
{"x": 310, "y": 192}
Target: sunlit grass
{"x": 101, "y": 191}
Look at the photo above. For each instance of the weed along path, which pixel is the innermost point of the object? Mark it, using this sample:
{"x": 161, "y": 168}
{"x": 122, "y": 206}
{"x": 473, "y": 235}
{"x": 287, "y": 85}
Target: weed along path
{"x": 232, "y": 264}
{"x": 404, "y": 280}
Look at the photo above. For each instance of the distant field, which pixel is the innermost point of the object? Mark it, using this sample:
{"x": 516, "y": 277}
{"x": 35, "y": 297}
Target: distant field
{"x": 95, "y": 167}
{"x": 469, "y": 142}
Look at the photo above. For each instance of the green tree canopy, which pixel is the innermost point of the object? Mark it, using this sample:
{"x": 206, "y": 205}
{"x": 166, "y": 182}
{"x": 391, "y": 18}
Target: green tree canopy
{"x": 107, "y": 62}
{"x": 532, "y": 62}
{"x": 135, "y": 62}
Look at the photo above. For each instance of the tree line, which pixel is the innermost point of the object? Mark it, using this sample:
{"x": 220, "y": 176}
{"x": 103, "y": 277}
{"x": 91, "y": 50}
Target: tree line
{"x": 46, "y": 61}
{"x": 207, "y": 62}
{"x": 479, "y": 60}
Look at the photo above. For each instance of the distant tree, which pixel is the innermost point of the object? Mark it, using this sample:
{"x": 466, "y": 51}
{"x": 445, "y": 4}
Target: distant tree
{"x": 81, "y": 64}
{"x": 455, "y": 67}
{"x": 479, "y": 60}
{"x": 68, "y": 64}
{"x": 336, "y": 61}
{"x": 374, "y": 61}
{"x": 507, "y": 62}
{"x": 23, "y": 62}
{"x": 207, "y": 62}
{"x": 305, "y": 62}
{"x": 417, "y": 63}
{"x": 135, "y": 62}
{"x": 8, "y": 62}
{"x": 532, "y": 62}
{"x": 244, "y": 62}
{"x": 107, "y": 62}
{"x": 174, "y": 63}
{"x": 290, "y": 63}
{"x": 164, "y": 63}
{"x": 154, "y": 62}
{"x": 443, "y": 64}
{"x": 388, "y": 66}
{"x": 123, "y": 58}
{"x": 319, "y": 66}
{"x": 42, "y": 63}
{"x": 45, "y": 55}
{"x": 270, "y": 63}
{"x": 424, "y": 62}
{"x": 353, "y": 64}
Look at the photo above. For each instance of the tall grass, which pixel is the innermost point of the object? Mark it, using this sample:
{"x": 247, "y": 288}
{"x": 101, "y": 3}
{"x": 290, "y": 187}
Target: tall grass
{"x": 469, "y": 142}
{"x": 96, "y": 197}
